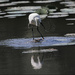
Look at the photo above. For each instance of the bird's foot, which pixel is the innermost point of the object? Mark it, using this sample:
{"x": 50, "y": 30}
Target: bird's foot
{"x": 43, "y": 38}
{"x": 38, "y": 40}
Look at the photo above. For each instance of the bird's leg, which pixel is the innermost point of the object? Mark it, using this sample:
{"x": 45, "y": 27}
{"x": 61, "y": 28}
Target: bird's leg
{"x": 32, "y": 33}
{"x": 28, "y": 25}
{"x": 42, "y": 58}
{"x": 40, "y": 32}
{"x": 42, "y": 25}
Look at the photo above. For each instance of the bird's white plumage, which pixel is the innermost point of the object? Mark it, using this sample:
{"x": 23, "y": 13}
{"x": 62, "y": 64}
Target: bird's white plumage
{"x": 36, "y": 65}
{"x": 34, "y": 19}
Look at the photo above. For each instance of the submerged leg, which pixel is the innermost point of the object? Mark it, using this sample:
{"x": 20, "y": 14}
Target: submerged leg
{"x": 40, "y": 32}
{"x": 32, "y": 33}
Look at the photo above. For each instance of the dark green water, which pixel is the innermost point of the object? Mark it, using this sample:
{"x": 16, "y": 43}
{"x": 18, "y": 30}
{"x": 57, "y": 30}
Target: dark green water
{"x": 13, "y": 61}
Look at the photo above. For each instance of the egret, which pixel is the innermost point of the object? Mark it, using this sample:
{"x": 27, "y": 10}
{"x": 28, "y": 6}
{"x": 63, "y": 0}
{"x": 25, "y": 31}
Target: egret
{"x": 35, "y": 20}
{"x": 36, "y": 65}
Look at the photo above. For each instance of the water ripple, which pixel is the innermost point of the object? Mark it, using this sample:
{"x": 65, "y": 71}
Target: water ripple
{"x": 25, "y": 43}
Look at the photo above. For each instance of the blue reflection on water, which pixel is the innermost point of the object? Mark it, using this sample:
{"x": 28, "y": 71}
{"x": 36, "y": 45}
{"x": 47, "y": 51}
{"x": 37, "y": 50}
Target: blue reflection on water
{"x": 25, "y": 43}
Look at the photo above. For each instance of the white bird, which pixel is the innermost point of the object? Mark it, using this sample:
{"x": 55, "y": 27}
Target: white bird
{"x": 35, "y": 20}
{"x": 36, "y": 65}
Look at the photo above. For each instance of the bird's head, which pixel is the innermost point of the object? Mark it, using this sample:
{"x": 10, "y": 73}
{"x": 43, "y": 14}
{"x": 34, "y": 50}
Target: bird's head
{"x": 37, "y": 21}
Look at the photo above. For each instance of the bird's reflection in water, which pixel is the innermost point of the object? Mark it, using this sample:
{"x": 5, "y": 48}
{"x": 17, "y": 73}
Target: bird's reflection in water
{"x": 36, "y": 65}
{"x": 37, "y": 59}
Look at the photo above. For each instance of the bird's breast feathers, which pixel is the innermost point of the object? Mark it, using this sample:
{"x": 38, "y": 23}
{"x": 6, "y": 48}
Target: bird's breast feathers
{"x": 34, "y": 19}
